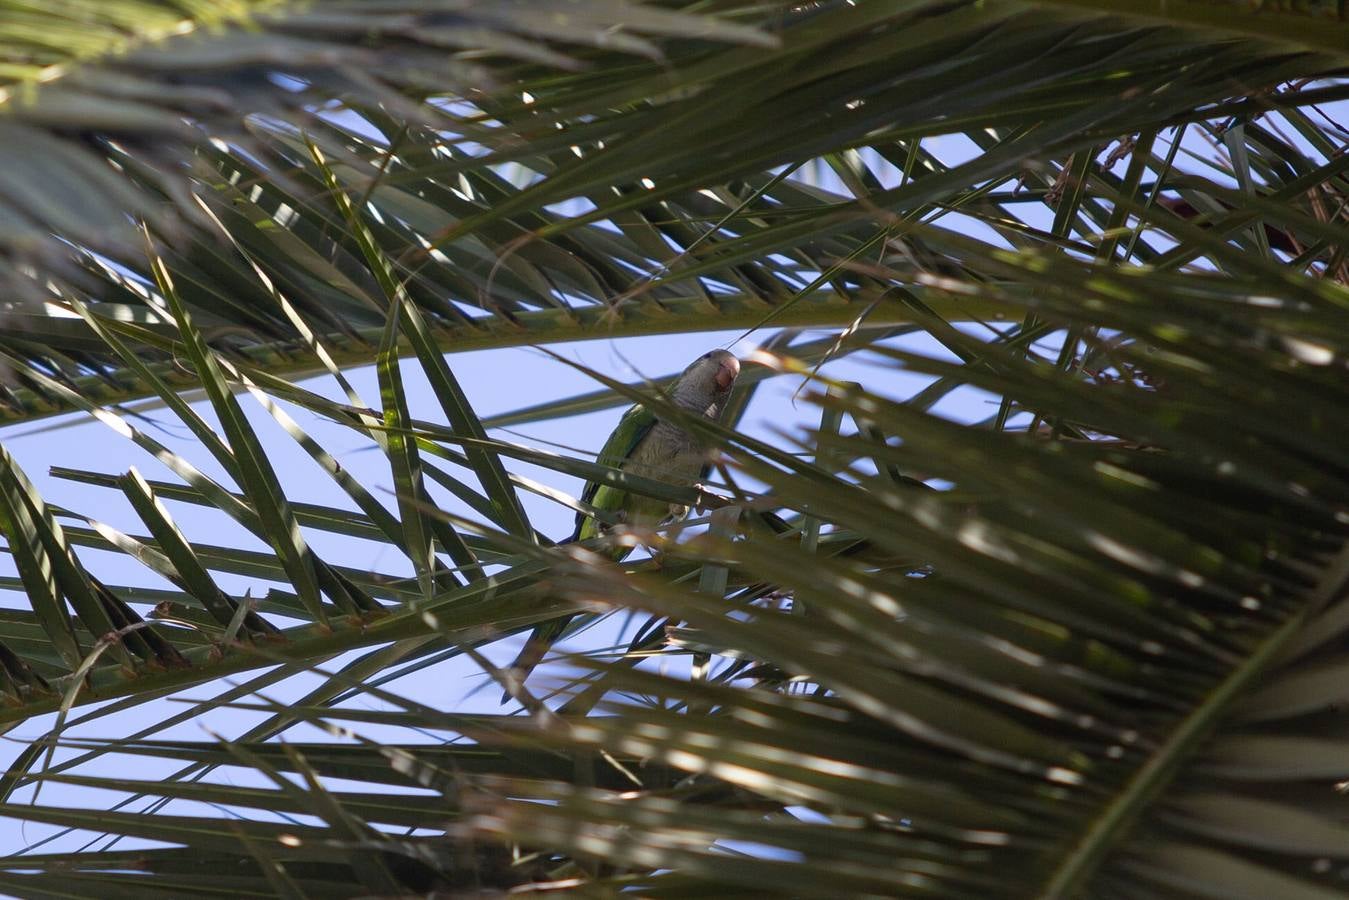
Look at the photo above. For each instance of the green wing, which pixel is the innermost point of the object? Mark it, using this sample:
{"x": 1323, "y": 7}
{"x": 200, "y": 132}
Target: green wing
{"x": 636, "y": 424}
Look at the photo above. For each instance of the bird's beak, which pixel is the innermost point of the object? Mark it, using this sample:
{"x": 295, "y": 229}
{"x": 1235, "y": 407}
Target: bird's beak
{"x": 727, "y": 373}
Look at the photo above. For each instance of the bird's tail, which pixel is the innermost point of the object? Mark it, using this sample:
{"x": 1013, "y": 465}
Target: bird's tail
{"x": 543, "y": 637}
{"x": 545, "y": 634}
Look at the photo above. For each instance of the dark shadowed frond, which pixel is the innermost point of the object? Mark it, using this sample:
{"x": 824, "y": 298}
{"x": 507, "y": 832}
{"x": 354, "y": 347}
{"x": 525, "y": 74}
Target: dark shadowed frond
{"x": 109, "y": 106}
{"x": 682, "y": 175}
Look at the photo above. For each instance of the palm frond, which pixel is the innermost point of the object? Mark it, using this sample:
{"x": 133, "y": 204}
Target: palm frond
{"x": 108, "y": 104}
{"x": 467, "y": 205}
{"x": 1090, "y": 645}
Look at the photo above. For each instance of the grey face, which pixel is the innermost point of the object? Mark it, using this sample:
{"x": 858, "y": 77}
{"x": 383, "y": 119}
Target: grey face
{"x": 708, "y": 380}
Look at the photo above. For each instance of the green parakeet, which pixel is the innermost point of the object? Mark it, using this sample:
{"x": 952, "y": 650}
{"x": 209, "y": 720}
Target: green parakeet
{"x": 645, "y": 445}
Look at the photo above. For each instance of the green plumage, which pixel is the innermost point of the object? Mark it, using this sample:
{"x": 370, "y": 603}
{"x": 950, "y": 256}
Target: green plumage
{"x": 635, "y": 425}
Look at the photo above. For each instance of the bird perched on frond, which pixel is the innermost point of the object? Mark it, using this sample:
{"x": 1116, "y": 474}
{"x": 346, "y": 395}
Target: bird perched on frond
{"x": 644, "y": 444}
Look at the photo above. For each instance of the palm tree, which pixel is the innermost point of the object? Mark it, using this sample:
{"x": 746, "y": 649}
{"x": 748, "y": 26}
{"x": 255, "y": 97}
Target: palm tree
{"x": 1087, "y": 646}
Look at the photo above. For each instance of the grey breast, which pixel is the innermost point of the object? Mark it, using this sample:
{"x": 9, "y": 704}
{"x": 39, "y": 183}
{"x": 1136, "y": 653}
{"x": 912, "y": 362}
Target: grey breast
{"x": 671, "y": 454}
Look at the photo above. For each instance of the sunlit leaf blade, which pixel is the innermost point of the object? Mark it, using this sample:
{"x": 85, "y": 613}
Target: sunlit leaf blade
{"x": 259, "y": 481}
{"x": 403, "y": 453}
{"x": 404, "y": 316}
{"x": 174, "y": 545}
{"x": 35, "y": 568}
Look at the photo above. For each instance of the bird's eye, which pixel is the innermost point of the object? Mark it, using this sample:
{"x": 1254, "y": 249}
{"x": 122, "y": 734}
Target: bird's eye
{"x": 707, "y": 356}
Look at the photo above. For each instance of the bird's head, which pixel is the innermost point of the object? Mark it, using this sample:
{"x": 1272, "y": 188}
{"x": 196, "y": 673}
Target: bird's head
{"x": 711, "y": 375}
